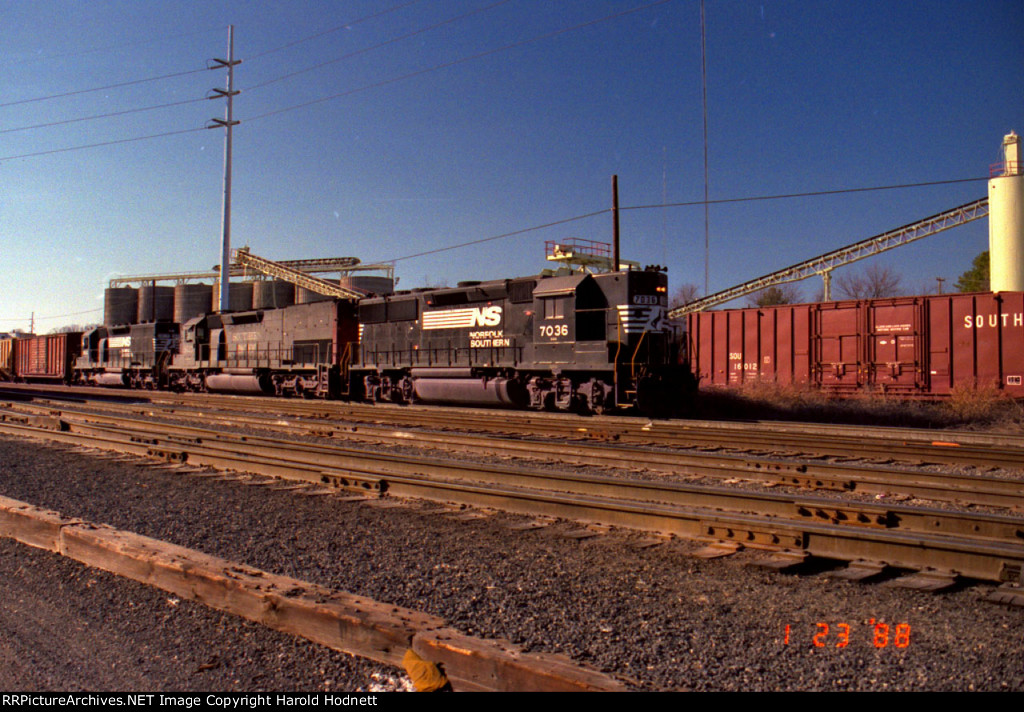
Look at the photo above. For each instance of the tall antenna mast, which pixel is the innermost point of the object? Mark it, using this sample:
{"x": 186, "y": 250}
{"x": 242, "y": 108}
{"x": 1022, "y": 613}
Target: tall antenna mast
{"x": 704, "y": 107}
{"x": 227, "y": 122}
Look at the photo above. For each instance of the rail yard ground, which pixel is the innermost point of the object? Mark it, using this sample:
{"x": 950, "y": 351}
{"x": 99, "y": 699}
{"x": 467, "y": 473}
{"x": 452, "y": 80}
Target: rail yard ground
{"x": 658, "y": 617}
{"x": 70, "y": 627}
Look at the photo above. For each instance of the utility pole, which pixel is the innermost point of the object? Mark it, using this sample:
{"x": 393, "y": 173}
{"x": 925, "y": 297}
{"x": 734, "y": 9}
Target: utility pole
{"x": 940, "y": 280}
{"x": 615, "y": 224}
{"x": 228, "y": 122}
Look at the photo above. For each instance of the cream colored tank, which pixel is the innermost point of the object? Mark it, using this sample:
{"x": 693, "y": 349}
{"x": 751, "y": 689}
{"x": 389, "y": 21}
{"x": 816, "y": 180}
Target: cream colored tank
{"x": 1006, "y": 221}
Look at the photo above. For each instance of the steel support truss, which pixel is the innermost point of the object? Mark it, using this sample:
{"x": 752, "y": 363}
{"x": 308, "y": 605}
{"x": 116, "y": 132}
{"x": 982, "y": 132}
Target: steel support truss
{"x": 243, "y": 257}
{"x": 824, "y": 264}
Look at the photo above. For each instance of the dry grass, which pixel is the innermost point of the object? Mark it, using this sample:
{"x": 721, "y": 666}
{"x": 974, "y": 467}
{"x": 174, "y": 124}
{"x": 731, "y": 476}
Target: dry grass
{"x": 971, "y": 406}
{"x": 982, "y": 403}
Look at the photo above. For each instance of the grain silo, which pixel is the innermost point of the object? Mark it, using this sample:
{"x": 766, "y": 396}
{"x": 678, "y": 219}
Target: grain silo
{"x": 120, "y": 305}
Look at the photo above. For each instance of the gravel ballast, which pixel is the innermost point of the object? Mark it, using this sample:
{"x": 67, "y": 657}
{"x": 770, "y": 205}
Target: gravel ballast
{"x": 69, "y": 627}
{"x": 658, "y": 617}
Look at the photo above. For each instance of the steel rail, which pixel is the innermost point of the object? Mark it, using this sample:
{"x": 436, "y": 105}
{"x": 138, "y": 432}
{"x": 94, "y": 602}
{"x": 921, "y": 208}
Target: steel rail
{"x": 940, "y": 447}
{"x": 918, "y": 445}
{"x": 370, "y": 464}
{"x": 849, "y": 441}
{"x": 539, "y": 419}
{"x": 975, "y": 556}
{"x": 841, "y": 477}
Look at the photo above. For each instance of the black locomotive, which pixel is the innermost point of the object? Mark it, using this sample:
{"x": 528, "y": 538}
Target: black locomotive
{"x": 131, "y": 355}
{"x": 579, "y": 341}
{"x": 585, "y": 342}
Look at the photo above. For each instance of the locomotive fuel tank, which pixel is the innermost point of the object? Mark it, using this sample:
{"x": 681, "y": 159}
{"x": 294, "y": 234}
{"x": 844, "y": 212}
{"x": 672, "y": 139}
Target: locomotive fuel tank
{"x": 459, "y": 386}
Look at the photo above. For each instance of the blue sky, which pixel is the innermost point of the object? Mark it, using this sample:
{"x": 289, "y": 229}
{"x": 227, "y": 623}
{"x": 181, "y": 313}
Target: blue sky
{"x": 801, "y": 97}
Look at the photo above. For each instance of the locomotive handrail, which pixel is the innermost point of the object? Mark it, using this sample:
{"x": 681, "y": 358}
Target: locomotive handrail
{"x": 446, "y": 356}
{"x": 632, "y": 359}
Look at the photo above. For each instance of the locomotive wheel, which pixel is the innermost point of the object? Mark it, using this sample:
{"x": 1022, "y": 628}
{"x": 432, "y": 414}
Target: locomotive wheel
{"x": 406, "y": 390}
{"x": 593, "y": 397}
{"x": 549, "y": 403}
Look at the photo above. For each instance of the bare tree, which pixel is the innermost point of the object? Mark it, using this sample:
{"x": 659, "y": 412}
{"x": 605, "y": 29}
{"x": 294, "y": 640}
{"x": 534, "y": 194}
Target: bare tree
{"x": 772, "y": 296}
{"x": 429, "y": 283}
{"x": 71, "y": 328}
{"x": 874, "y": 282}
{"x": 684, "y": 294}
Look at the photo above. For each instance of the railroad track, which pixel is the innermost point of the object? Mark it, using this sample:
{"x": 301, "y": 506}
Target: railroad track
{"x": 871, "y": 479}
{"x": 886, "y": 444}
{"x": 938, "y": 545}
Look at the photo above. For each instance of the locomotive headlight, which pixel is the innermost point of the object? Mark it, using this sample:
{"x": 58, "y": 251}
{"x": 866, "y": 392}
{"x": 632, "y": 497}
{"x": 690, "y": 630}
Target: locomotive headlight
{"x": 661, "y": 289}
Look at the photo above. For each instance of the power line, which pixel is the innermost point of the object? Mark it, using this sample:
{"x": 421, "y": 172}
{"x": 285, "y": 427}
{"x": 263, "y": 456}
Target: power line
{"x": 673, "y": 205}
{"x": 453, "y": 63}
{"x": 805, "y": 195}
{"x": 332, "y": 29}
{"x": 103, "y": 143}
{"x": 109, "y": 86}
{"x": 55, "y": 316}
{"x": 376, "y": 46}
{"x": 499, "y": 237}
{"x": 567, "y": 220}
{"x": 104, "y": 116}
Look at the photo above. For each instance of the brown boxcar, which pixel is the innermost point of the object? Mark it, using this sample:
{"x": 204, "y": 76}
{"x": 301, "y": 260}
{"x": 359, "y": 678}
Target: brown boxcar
{"x": 6, "y": 358}
{"x": 51, "y": 357}
{"x": 913, "y": 346}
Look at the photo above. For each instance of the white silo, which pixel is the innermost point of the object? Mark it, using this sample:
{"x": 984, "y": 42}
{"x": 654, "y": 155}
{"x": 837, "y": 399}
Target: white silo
{"x": 1006, "y": 219}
